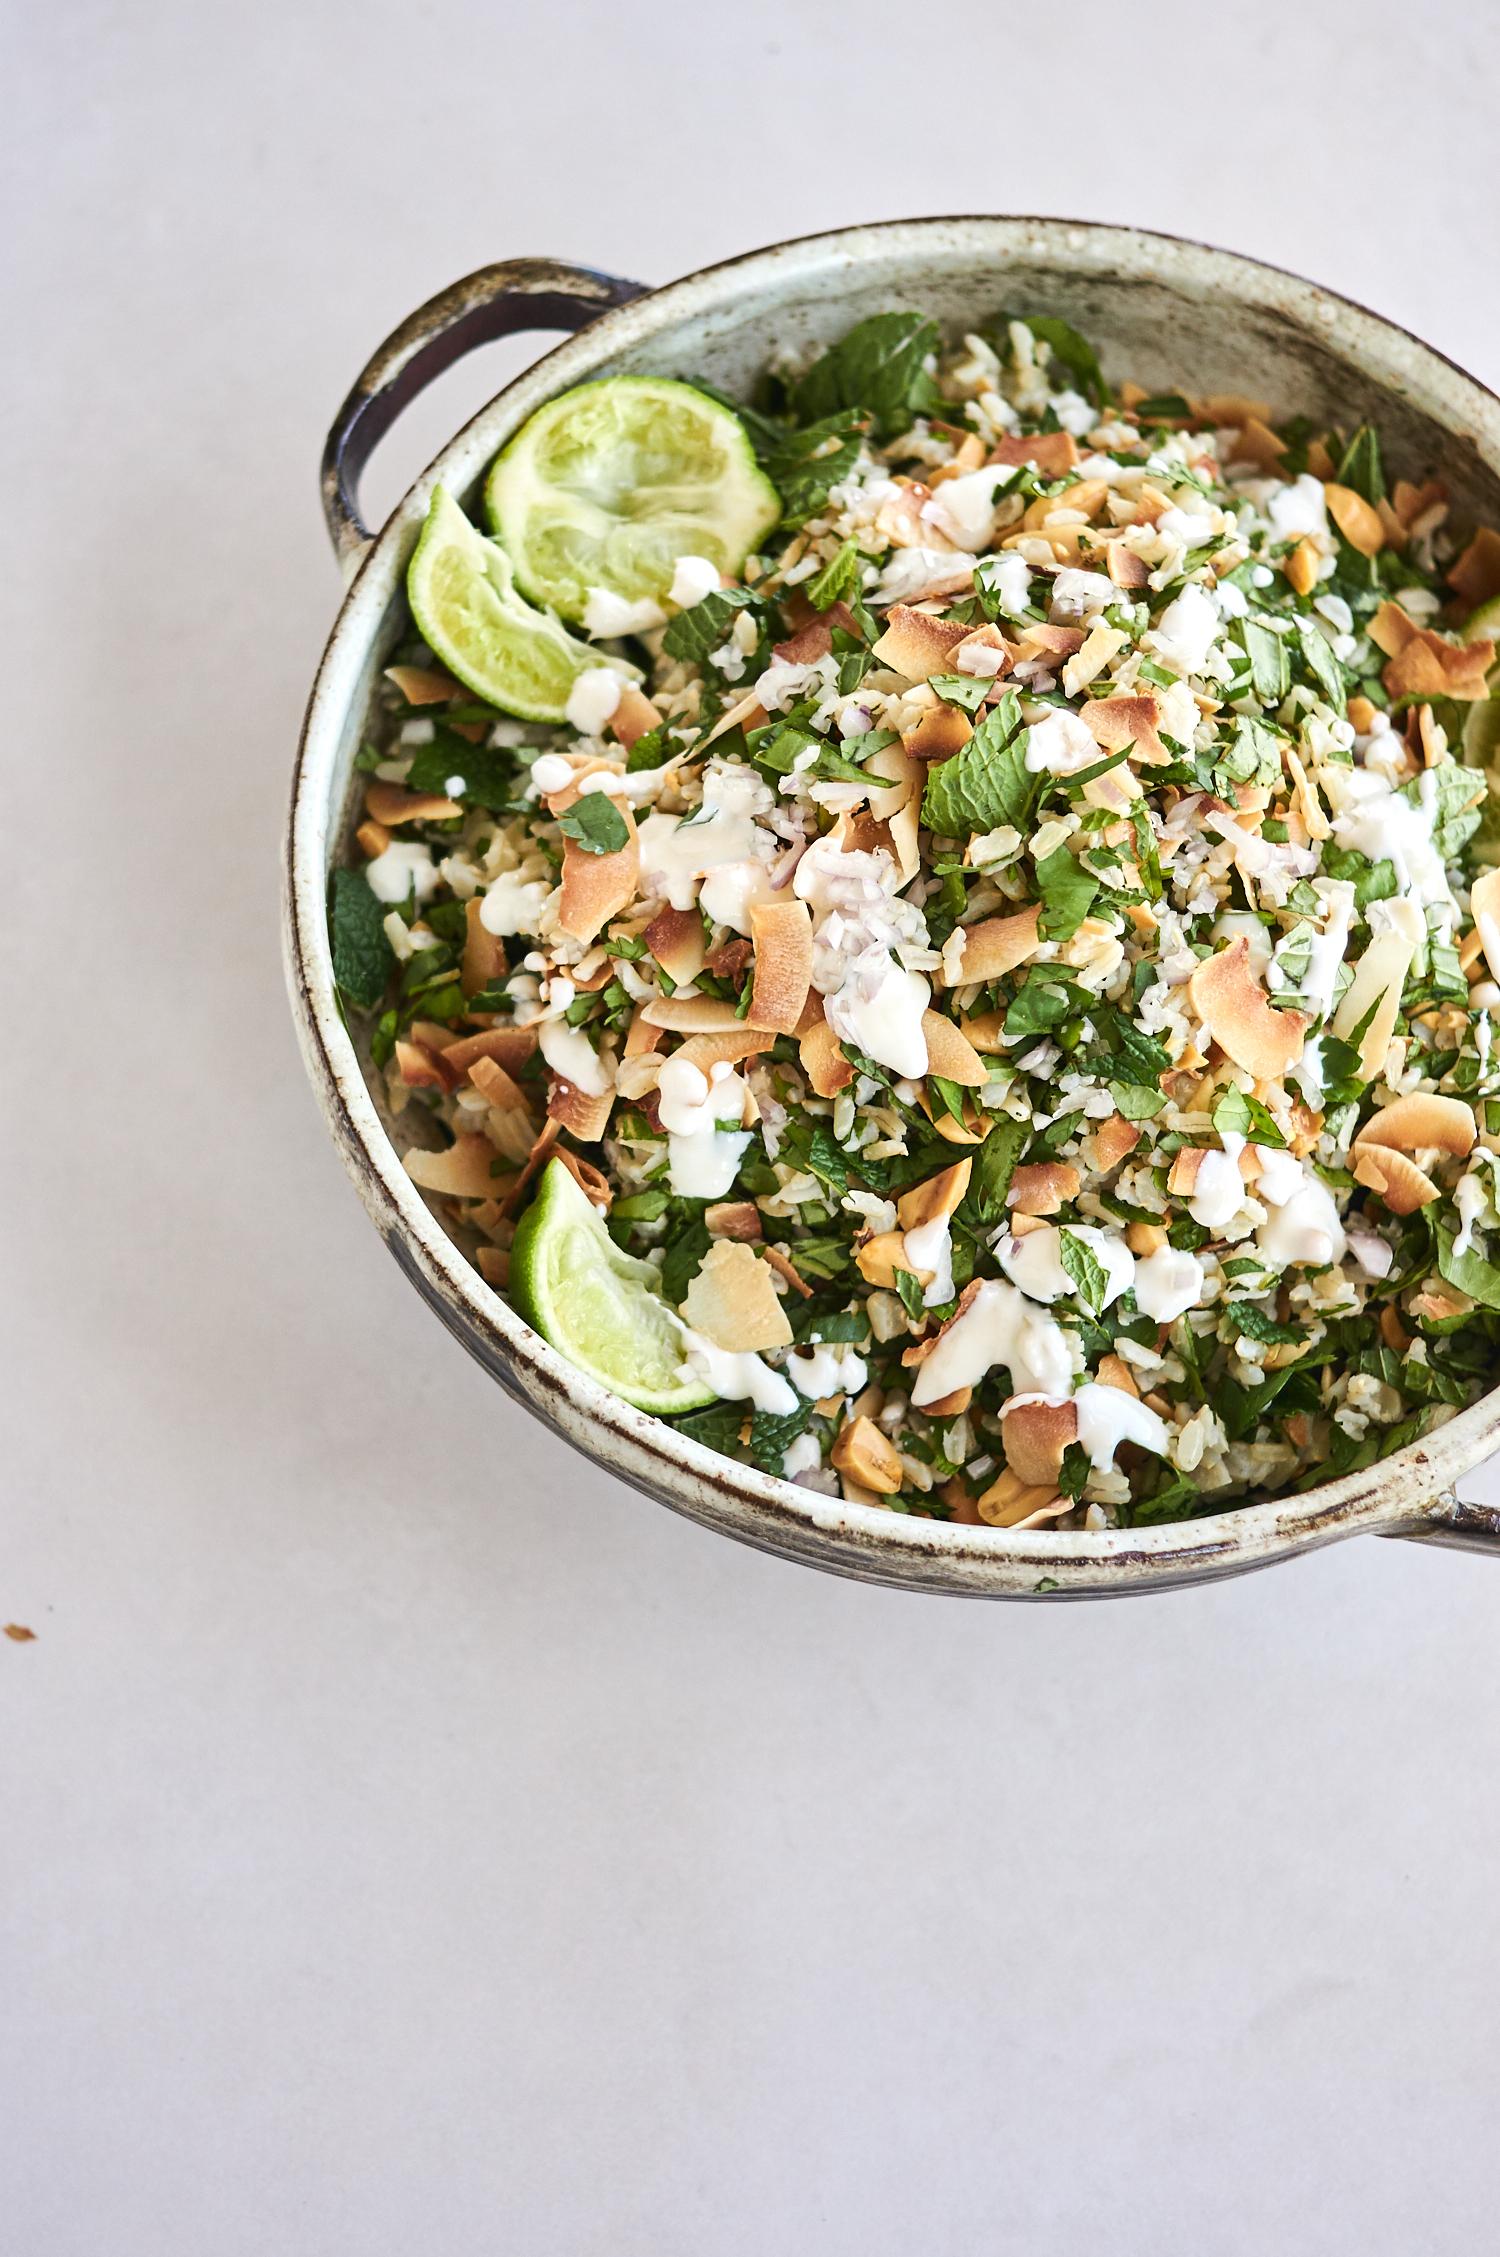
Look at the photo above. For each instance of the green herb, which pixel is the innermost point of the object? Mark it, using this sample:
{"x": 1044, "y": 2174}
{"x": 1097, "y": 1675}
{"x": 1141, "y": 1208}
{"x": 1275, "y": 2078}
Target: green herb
{"x": 804, "y": 465}
{"x": 771, "y": 1432}
{"x": 717, "y": 1428}
{"x": 1085, "y": 1269}
{"x": 1235, "y": 1114}
{"x": 1039, "y": 1005}
{"x": 687, "y": 1241}
{"x": 1470, "y": 1272}
{"x": 1254, "y": 1324}
{"x": 1068, "y": 894}
{"x": 1163, "y": 407}
{"x": 966, "y": 690}
{"x": 363, "y": 958}
{"x": 1073, "y": 1473}
{"x": 840, "y": 577}
{"x": 704, "y": 627}
{"x": 878, "y": 366}
{"x": 1270, "y": 669}
{"x": 1134, "y": 1102}
{"x": 1361, "y": 466}
{"x": 1454, "y": 797}
{"x": 994, "y": 1165}
{"x": 1372, "y": 881}
{"x": 596, "y": 824}
{"x": 1324, "y": 668}
{"x": 1072, "y": 352}
{"x": 987, "y": 783}
{"x": 488, "y": 777}
{"x": 912, "y": 1291}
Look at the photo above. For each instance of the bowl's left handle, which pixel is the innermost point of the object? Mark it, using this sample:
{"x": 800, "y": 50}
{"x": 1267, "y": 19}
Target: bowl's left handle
{"x": 516, "y": 294}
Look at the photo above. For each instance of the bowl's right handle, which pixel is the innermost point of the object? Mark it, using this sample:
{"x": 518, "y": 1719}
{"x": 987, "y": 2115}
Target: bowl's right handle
{"x": 1464, "y": 1527}
{"x": 514, "y": 295}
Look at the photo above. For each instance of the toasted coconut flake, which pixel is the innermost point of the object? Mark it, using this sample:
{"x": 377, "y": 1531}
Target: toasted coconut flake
{"x": 705, "y": 1051}
{"x": 785, "y": 1267}
{"x": 419, "y": 685}
{"x": 421, "y": 1068}
{"x": 1125, "y": 568}
{"x": 510, "y": 1047}
{"x": 950, "y": 1054}
{"x": 1395, "y": 1180}
{"x": 733, "y": 1218}
{"x": 1113, "y": 1141}
{"x": 584, "y": 1116}
{"x": 467, "y": 1170}
{"x": 823, "y": 1062}
{"x": 783, "y": 936}
{"x": 1423, "y": 1121}
{"x": 390, "y": 805}
{"x": 372, "y": 839}
{"x": 1476, "y": 574}
{"x": 733, "y": 1302}
{"x": 1233, "y": 1005}
{"x": 1029, "y": 1508}
{"x": 1379, "y": 977}
{"x": 1391, "y": 629}
{"x": 1257, "y": 443}
{"x": 995, "y": 946}
{"x": 1232, "y": 408}
{"x": 692, "y": 1014}
{"x": 596, "y": 887}
{"x": 635, "y": 1077}
{"x": 814, "y": 638}
{"x": 1049, "y": 642}
{"x": 1043, "y": 1188}
{"x": 973, "y": 1129}
{"x": 1357, "y": 519}
{"x": 915, "y": 644}
{"x": 879, "y": 1257}
{"x": 934, "y": 1197}
{"x": 1115, "y": 1372}
{"x": 634, "y": 717}
{"x": 867, "y": 1456}
{"x": 1428, "y": 665}
{"x": 1035, "y": 1436}
{"x": 493, "y": 1265}
{"x": 747, "y": 713}
{"x": 596, "y": 1188}
{"x": 1301, "y": 566}
{"x": 938, "y": 733}
{"x": 986, "y": 1033}
{"x": 1054, "y": 452}
{"x": 1484, "y": 901}
{"x": 1115, "y": 722}
{"x": 1080, "y": 500}
{"x": 496, "y": 1086}
{"x": 484, "y": 953}
{"x": 675, "y": 938}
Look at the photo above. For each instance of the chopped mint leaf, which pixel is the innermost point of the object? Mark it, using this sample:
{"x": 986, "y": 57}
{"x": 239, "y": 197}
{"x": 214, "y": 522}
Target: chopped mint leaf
{"x": 1317, "y": 653}
{"x": 1270, "y": 668}
{"x": 1073, "y": 1473}
{"x": 1454, "y": 798}
{"x": 488, "y": 777}
{"x": 994, "y": 1165}
{"x": 966, "y": 690}
{"x": 803, "y": 465}
{"x": 771, "y": 1432}
{"x": 987, "y": 783}
{"x": 840, "y": 577}
{"x": 912, "y": 1292}
{"x": 1135, "y": 1103}
{"x": 363, "y": 958}
{"x": 596, "y": 824}
{"x": 1470, "y": 1272}
{"x": 705, "y": 626}
{"x": 1235, "y": 1114}
{"x": 1361, "y": 466}
{"x": 1069, "y": 351}
{"x": 877, "y": 366}
{"x": 1254, "y": 1324}
{"x": 1068, "y": 894}
{"x": 1085, "y": 1269}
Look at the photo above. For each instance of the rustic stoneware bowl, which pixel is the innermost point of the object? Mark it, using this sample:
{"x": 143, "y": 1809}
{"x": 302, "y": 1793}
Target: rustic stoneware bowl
{"x": 1162, "y": 311}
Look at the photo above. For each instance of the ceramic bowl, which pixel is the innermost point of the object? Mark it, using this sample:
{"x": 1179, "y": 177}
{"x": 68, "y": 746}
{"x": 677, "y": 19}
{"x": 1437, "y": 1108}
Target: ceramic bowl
{"x": 1164, "y": 311}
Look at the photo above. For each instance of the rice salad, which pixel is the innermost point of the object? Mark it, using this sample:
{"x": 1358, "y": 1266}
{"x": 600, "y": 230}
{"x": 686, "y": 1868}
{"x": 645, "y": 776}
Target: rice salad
{"x": 998, "y": 976}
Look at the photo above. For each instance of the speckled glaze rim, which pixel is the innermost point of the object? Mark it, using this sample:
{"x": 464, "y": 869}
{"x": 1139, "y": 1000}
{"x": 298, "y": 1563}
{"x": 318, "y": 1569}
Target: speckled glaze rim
{"x": 1409, "y": 1494}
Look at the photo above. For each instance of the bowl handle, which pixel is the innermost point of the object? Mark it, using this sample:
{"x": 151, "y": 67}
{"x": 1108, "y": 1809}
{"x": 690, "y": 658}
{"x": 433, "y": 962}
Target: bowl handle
{"x": 514, "y": 295}
{"x": 1464, "y": 1527}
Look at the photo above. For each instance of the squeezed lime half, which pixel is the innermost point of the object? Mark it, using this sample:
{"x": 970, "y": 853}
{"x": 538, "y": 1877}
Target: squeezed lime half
{"x": 608, "y": 486}
{"x": 464, "y": 601}
{"x": 600, "y": 1307}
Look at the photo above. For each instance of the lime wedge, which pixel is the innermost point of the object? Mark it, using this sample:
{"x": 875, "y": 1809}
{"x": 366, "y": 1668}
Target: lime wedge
{"x": 1482, "y": 624}
{"x": 606, "y": 487}
{"x": 600, "y": 1307}
{"x": 464, "y": 602}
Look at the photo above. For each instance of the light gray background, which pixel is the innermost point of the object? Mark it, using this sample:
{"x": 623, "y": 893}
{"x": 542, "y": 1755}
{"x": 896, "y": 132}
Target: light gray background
{"x": 413, "y": 1842}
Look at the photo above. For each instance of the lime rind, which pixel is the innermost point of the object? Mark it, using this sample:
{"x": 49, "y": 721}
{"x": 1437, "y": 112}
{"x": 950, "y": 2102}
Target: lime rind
{"x": 463, "y": 598}
{"x": 610, "y": 484}
{"x": 598, "y": 1306}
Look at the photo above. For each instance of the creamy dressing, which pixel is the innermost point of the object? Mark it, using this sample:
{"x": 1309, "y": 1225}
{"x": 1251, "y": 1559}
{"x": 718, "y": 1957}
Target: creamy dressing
{"x": 694, "y": 578}
{"x": 1303, "y": 1225}
{"x": 826, "y": 1371}
{"x": 677, "y": 851}
{"x": 869, "y": 999}
{"x": 703, "y": 1157}
{"x": 392, "y": 875}
{"x": 1167, "y": 1283}
{"x": 1218, "y": 1188}
{"x": 512, "y": 904}
{"x": 571, "y": 1055}
{"x": 704, "y": 1166}
{"x": 1373, "y": 819}
{"x": 729, "y": 893}
{"x": 738, "y": 1376}
{"x": 930, "y": 1247}
{"x": 605, "y": 613}
{"x": 1000, "y": 1326}
{"x": 1060, "y": 744}
{"x": 1107, "y": 1416}
{"x": 1008, "y": 579}
{"x": 1034, "y": 1262}
{"x": 882, "y": 1015}
{"x": 1329, "y": 945}
{"x": 592, "y": 699}
{"x": 1299, "y": 508}
{"x": 1470, "y": 1198}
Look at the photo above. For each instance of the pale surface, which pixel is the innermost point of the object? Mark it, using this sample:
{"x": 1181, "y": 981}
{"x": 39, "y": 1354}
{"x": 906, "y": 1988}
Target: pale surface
{"x": 412, "y": 1841}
